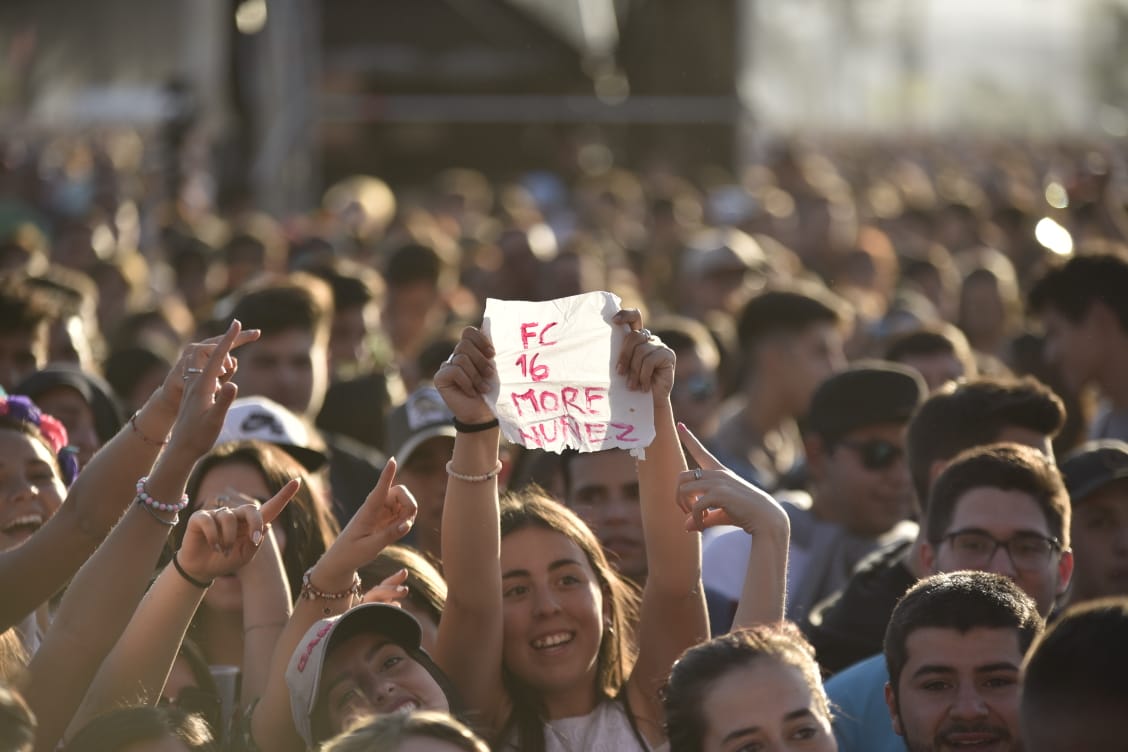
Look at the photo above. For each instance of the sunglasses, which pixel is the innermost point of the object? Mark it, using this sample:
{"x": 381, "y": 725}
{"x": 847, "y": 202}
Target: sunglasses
{"x": 875, "y": 454}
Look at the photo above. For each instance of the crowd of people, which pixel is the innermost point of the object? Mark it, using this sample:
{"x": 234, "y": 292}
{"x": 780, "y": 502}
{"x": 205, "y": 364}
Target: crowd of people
{"x": 252, "y": 496}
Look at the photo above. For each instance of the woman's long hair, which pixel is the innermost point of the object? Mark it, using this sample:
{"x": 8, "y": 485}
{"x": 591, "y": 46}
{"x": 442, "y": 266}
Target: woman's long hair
{"x": 426, "y": 588}
{"x": 618, "y": 649}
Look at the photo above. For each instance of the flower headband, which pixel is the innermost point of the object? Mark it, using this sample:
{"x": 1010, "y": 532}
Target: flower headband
{"x": 19, "y": 408}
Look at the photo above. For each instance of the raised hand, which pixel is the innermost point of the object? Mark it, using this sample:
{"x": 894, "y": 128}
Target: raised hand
{"x": 385, "y": 517}
{"x": 647, "y": 364}
{"x": 207, "y": 393}
{"x": 714, "y": 495}
{"x": 391, "y": 590}
{"x": 467, "y": 375}
{"x": 192, "y": 360}
{"x": 222, "y": 540}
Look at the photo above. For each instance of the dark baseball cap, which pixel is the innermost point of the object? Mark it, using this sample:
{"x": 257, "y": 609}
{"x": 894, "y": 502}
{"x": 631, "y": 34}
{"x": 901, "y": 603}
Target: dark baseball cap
{"x": 866, "y": 394}
{"x": 1092, "y": 466}
{"x": 423, "y": 416}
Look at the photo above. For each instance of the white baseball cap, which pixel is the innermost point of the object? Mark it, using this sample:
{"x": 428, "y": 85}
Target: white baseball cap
{"x": 263, "y": 419}
{"x": 303, "y": 675}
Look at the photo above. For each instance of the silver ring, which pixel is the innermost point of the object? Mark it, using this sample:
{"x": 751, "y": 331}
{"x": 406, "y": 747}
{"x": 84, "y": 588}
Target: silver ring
{"x": 646, "y": 333}
{"x": 449, "y": 359}
{"x": 193, "y": 370}
{"x": 697, "y": 473}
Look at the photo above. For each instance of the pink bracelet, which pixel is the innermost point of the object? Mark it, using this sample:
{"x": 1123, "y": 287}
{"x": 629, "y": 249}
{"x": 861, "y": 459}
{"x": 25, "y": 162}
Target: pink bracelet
{"x": 143, "y": 497}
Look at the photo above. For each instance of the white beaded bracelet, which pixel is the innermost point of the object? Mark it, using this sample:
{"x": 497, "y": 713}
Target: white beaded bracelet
{"x": 473, "y": 478}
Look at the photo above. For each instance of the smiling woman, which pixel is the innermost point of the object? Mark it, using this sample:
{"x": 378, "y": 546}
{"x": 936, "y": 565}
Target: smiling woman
{"x": 365, "y": 662}
{"x": 33, "y": 472}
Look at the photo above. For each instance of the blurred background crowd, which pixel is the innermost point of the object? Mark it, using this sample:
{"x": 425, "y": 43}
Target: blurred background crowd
{"x": 421, "y": 159}
{"x": 865, "y": 179}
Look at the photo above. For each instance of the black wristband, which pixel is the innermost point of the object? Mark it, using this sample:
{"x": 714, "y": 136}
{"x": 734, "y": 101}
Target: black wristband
{"x": 474, "y": 427}
{"x": 191, "y": 580}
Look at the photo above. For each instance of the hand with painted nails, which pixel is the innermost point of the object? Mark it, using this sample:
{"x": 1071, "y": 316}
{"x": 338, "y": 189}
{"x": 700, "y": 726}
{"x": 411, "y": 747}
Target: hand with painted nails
{"x": 713, "y": 495}
{"x": 467, "y": 375}
{"x": 647, "y": 364}
{"x": 386, "y": 516}
{"x": 223, "y": 540}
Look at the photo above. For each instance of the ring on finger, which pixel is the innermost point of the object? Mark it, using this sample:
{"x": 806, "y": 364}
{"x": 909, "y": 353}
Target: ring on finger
{"x": 646, "y": 334}
{"x": 697, "y": 473}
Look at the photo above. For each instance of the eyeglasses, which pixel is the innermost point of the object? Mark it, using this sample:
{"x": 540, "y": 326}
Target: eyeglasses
{"x": 976, "y": 548}
{"x": 196, "y": 701}
{"x": 875, "y": 454}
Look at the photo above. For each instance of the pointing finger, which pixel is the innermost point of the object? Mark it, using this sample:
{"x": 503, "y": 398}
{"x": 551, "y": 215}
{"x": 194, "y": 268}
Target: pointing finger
{"x": 697, "y": 450}
{"x": 274, "y": 506}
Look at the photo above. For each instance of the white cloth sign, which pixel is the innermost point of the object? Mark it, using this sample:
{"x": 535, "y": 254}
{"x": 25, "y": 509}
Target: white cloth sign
{"x": 557, "y": 384}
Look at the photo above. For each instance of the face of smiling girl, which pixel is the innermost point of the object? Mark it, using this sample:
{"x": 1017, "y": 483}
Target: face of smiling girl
{"x": 367, "y": 675}
{"x": 30, "y": 488}
{"x": 554, "y": 612}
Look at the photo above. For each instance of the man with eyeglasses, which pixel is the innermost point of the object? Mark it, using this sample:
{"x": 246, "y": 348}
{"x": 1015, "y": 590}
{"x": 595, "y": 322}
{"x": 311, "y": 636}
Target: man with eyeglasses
{"x": 861, "y": 494}
{"x": 1002, "y": 509}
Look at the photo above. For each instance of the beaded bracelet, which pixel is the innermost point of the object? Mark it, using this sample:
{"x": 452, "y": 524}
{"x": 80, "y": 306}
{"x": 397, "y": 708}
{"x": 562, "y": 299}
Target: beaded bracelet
{"x": 473, "y": 478}
{"x": 141, "y": 434}
{"x": 143, "y": 497}
{"x": 311, "y": 593}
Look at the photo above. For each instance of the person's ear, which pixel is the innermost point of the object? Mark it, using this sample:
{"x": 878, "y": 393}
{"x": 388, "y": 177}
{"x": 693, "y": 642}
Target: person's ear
{"x": 894, "y": 716}
{"x": 817, "y": 454}
{"x": 927, "y": 558}
{"x": 1065, "y": 570}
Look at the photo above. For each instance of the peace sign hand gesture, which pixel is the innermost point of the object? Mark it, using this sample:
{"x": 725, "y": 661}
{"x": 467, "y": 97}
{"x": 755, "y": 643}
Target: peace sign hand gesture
{"x": 714, "y": 495}
{"x": 221, "y": 541}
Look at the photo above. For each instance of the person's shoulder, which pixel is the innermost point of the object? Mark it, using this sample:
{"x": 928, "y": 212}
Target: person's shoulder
{"x": 866, "y": 673}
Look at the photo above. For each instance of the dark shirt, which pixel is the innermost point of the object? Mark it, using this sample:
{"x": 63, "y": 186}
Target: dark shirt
{"x": 354, "y": 470}
{"x": 849, "y": 626}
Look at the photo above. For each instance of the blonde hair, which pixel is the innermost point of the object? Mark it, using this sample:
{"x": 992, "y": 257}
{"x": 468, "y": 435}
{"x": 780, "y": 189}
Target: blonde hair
{"x": 13, "y": 657}
{"x": 387, "y": 732}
